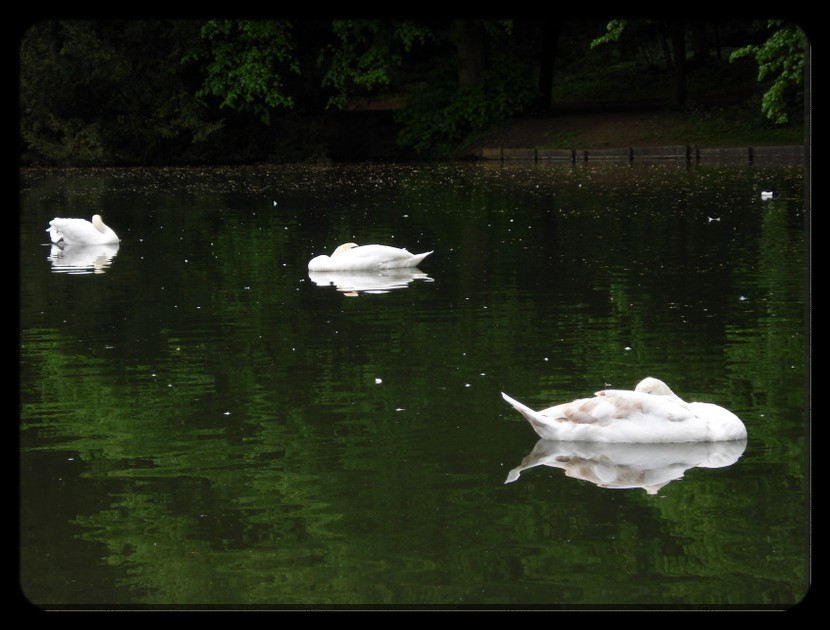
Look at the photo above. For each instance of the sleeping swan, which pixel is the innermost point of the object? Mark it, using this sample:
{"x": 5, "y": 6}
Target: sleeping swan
{"x": 354, "y": 257}
{"x": 81, "y": 232}
{"x": 652, "y": 413}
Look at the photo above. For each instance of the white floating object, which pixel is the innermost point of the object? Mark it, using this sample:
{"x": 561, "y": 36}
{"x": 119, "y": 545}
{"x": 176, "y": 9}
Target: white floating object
{"x": 354, "y": 257}
{"x": 81, "y": 232}
{"x": 651, "y": 413}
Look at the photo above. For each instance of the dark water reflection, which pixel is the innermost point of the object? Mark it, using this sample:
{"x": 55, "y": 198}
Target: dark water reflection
{"x": 205, "y": 423}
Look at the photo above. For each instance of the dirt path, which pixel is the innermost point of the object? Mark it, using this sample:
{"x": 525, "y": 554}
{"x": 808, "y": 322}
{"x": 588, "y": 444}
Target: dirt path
{"x": 592, "y": 130}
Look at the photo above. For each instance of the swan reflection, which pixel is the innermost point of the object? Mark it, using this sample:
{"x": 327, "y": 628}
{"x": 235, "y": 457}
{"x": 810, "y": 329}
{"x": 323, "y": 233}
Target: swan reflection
{"x": 625, "y": 466}
{"x": 82, "y": 258}
{"x": 353, "y": 283}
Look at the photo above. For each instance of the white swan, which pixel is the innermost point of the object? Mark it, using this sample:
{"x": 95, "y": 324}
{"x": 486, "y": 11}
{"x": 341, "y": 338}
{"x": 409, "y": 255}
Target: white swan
{"x": 652, "y": 413}
{"x": 354, "y": 257}
{"x": 81, "y": 232}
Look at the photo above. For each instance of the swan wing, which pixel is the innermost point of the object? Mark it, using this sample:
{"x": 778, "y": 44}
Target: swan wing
{"x": 627, "y": 402}
{"x": 69, "y": 230}
{"x": 385, "y": 256}
{"x": 350, "y": 257}
{"x": 80, "y": 232}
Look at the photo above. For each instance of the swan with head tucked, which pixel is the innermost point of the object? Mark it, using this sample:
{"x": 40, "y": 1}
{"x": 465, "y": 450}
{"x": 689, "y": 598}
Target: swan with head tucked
{"x": 81, "y": 231}
{"x": 354, "y": 257}
{"x": 651, "y": 413}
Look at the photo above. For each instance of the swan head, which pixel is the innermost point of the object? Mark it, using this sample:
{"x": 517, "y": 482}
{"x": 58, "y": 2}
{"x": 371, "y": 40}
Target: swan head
{"x": 651, "y": 385}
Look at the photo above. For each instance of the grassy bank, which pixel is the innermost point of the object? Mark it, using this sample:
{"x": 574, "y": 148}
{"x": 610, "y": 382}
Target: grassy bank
{"x": 629, "y": 105}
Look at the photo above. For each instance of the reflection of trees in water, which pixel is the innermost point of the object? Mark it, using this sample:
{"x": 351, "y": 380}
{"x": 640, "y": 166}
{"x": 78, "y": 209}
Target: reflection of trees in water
{"x": 229, "y": 442}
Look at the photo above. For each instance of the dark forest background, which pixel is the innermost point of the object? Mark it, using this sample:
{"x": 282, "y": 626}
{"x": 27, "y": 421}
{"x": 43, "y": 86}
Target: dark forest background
{"x": 168, "y": 92}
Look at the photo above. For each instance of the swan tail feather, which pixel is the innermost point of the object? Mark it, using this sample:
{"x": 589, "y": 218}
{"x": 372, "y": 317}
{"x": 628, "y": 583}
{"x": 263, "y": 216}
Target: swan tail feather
{"x": 526, "y": 411}
{"x": 512, "y": 476}
{"x": 419, "y": 257}
{"x": 409, "y": 261}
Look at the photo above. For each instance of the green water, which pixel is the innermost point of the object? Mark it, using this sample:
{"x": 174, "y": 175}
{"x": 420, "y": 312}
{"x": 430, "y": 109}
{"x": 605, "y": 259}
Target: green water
{"x": 203, "y": 425}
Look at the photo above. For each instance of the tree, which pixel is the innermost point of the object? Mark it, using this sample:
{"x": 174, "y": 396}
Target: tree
{"x": 247, "y": 64}
{"x": 674, "y": 51}
{"x": 468, "y": 36}
{"x": 248, "y": 61}
{"x": 367, "y": 55}
{"x": 780, "y": 58}
{"x": 678, "y": 40}
{"x": 109, "y": 91}
{"x": 551, "y": 28}
{"x": 480, "y": 82}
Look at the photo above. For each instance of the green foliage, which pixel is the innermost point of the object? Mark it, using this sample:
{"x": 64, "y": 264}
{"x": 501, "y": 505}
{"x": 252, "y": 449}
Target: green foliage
{"x": 188, "y": 91}
{"x": 780, "y": 59}
{"x": 95, "y": 92}
{"x": 367, "y": 55}
{"x": 247, "y": 62}
{"x": 437, "y": 117}
{"x": 614, "y": 30}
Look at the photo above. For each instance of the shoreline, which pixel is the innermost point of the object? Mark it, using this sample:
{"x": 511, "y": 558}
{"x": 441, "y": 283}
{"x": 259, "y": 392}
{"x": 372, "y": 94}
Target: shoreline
{"x": 690, "y": 153}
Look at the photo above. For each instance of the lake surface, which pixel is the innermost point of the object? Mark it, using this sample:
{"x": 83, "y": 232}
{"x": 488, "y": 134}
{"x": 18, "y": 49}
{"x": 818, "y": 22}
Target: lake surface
{"x": 204, "y": 424}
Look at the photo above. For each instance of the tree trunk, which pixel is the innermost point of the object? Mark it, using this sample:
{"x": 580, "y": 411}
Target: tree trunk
{"x": 469, "y": 43}
{"x": 678, "y": 41}
{"x": 547, "y": 61}
{"x": 700, "y": 43}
